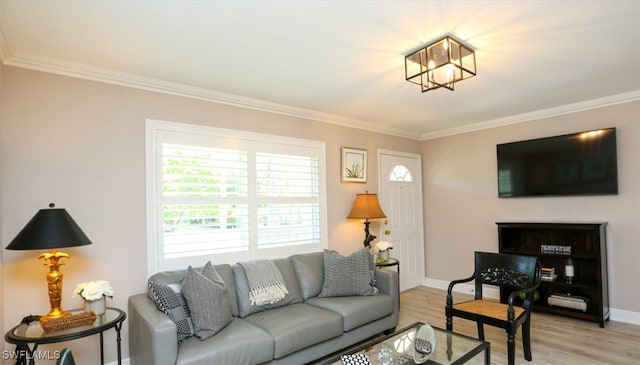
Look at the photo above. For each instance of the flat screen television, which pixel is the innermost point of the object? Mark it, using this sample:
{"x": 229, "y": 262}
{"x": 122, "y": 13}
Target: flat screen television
{"x": 583, "y": 163}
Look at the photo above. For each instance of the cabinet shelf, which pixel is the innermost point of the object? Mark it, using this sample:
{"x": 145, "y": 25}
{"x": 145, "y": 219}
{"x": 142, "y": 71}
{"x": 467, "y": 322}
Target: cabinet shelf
{"x": 585, "y": 243}
{"x": 550, "y": 255}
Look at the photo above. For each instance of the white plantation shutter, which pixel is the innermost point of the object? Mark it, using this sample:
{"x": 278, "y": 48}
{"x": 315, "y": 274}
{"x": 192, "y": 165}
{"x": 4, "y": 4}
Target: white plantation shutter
{"x": 228, "y": 196}
{"x": 288, "y": 208}
{"x": 204, "y": 200}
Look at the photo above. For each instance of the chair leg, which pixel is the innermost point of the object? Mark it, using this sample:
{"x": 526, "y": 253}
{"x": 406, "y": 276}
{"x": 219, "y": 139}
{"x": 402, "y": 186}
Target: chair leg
{"x": 511, "y": 347}
{"x": 449, "y": 340}
{"x": 480, "y": 331}
{"x": 526, "y": 339}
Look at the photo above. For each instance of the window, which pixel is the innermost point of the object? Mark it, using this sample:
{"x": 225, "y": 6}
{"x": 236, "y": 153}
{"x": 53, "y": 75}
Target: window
{"x": 400, "y": 173}
{"x": 228, "y": 196}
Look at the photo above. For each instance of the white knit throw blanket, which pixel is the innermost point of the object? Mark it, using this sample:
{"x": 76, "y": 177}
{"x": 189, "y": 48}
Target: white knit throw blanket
{"x": 266, "y": 284}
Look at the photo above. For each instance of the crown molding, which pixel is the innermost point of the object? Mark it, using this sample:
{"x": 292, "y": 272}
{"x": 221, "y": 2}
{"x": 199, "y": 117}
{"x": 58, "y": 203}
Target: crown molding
{"x": 49, "y": 65}
{"x": 41, "y": 63}
{"x": 538, "y": 114}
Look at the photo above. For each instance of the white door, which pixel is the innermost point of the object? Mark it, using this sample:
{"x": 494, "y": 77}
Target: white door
{"x": 400, "y": 194}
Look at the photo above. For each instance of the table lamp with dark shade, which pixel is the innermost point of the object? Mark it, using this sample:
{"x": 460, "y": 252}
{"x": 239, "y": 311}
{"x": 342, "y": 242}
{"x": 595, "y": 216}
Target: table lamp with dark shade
{"x": 366, "y": 207}
{"x": 51, "y": 229}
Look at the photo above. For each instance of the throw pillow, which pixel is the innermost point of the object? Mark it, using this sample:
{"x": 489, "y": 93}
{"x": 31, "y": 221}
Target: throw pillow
{"x": 208, "y": 302}
{"x": 210, "y": 273}
{"x": 169, "y": 299}
{"x": 310, "y": 271}
{"x": 347, "y": 275}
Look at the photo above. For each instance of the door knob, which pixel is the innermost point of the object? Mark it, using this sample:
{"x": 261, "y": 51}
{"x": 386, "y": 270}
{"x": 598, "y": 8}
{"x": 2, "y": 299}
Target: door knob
{"x": 386, "y": 231}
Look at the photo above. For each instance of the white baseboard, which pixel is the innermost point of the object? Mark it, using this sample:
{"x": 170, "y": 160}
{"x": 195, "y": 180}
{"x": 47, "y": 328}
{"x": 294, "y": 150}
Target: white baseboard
{"x": 619, "y": 315}
{"x": 124, "y": 362}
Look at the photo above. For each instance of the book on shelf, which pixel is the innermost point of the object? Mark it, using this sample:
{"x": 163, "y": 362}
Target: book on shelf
{"x": 548, "y": 274}
{"x": 548, "y": 277}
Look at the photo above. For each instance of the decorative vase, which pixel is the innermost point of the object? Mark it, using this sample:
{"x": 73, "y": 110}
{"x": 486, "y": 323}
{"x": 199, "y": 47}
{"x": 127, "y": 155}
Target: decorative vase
{"x": 97, "y": 306}
{"x": 384, "y": 255}
{"x": 424, "y": 344}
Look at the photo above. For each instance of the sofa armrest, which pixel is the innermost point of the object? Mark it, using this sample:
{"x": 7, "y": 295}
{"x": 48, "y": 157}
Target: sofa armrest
{"x": 387, "y": 282}
{"x": 152, "y": 335}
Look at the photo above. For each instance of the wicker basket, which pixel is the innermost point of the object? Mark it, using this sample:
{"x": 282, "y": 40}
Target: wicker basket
{"x": 66, "y": 322}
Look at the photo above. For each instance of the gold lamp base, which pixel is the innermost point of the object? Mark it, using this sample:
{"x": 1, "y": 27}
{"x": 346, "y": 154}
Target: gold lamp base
{"x": 50, "y": 229}
{"x": 55, "y": 313}
{"x": 54, "y": 283}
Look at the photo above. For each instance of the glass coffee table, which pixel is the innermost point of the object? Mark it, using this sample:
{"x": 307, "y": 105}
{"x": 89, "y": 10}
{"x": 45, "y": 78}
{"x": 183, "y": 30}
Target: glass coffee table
{"x": 451, "y": 348}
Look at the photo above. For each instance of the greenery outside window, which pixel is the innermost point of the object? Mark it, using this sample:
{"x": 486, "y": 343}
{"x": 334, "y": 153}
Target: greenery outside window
{"x": 228, "y": 196}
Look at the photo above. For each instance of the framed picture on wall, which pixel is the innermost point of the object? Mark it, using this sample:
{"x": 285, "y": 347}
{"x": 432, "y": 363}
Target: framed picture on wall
{"x": 354, "y": 165}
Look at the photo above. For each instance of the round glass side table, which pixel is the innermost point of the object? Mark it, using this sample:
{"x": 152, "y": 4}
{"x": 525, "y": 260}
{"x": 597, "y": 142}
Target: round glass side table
{"x": 389, "y": 262}
{"x": 25, "y": 334}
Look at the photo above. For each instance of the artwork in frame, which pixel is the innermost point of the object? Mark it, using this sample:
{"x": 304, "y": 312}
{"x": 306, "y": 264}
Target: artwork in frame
{"x": 354, "y": 165}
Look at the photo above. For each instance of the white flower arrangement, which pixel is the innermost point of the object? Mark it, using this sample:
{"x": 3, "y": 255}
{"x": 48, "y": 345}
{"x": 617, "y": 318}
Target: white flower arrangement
{"x": 94, "y": 290}
{"x": 384, "y": 245}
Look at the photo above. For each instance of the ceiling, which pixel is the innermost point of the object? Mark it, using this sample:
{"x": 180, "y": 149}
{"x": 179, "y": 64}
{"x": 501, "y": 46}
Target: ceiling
{"x": 341, "y": 61}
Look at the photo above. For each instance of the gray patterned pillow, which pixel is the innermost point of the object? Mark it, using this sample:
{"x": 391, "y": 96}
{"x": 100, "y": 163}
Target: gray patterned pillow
{"x": 207, "y": 300}
{"x": 347, "y": 275}
{"x": 169, "y": 299}
{"x": 210, "y": 273}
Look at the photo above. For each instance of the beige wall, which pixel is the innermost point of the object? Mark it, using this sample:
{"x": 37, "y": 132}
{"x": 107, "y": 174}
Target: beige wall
{"x": 461, "y": 203}
{"x": 2, "y": 347}
{"x": 81, "y": 145}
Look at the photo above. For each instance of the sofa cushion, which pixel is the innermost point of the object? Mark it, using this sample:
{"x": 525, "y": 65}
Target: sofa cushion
{"x": 242, "y": 288}
{"x": 357, "y": 310}
{"x": 310, "y": 270}
{"x": 347, "y": 275}
{"x": 208, "y": 302}
{"x": 238, "y": 343}
{"x": 297, "y": 326}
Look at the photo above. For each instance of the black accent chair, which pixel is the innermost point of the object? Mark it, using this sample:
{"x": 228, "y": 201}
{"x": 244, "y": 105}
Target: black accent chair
{"x": 514, "y": 275}
{"x": 66, "y": 357}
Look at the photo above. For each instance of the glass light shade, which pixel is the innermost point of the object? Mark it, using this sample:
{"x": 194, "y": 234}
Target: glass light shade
{"x": 440, "y": 64}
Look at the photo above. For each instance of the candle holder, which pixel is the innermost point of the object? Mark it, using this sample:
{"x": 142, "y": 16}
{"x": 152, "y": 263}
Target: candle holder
{"x": 570, "y": 271}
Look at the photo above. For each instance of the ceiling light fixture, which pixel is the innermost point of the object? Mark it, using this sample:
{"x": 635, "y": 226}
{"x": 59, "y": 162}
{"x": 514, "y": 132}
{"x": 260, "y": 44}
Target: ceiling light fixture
{"x": 440, "y": 64}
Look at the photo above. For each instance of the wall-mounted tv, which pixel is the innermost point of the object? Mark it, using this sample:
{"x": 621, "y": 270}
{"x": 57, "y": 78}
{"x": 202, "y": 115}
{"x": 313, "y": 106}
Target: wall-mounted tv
{"x": 583, "y": 163}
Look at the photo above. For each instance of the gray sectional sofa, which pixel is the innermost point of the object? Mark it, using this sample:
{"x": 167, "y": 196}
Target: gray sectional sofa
{"x": 298, "y": 329}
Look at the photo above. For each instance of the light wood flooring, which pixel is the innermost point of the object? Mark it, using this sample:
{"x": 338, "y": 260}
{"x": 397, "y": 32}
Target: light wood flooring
{"x": 554, "y": 339}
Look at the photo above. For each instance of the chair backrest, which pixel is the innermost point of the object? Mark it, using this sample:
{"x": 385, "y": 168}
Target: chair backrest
{"x": 508, "y": 271}
{"x": 66, "y": 357}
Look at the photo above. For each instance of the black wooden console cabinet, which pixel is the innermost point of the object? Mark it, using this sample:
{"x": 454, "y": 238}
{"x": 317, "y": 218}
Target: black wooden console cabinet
{"x": 553, "y": 243}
